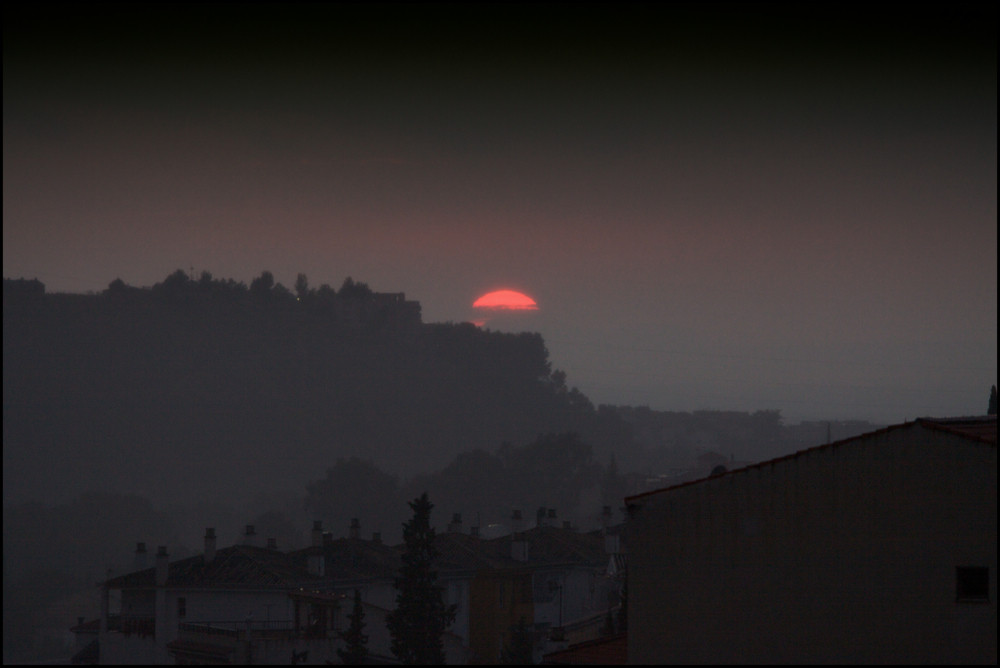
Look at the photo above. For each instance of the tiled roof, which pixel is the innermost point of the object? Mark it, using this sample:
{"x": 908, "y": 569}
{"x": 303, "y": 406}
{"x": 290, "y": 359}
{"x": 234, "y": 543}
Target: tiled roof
{"x": 349, "y": 559}
{"x": 980, "y": 429}
{"x": 237, "y": 566}
{"x": 552, "y": 545}
{"x": 612, "y": 651}
{"x": 462, "y": 552}
{"x": 87, "y": 655}
{"x": 353, "y": 559}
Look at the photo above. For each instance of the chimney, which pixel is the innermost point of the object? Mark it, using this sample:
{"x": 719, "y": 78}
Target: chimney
{"x": 516, "y": 522}
{"x": 162, "y": 565}
{"x": 540, "y": 517}
{"x": 272, "y": 543}
{"x": 209, "y": 545}
{"x": 250, "y": 535}
{"x": 317, "y": 533}
{"x": 455, "y": 526}
{"x": 355, "y": 530}
{"x": 474, "y": 532}
{"x": 552, "y": 517}
{"x": 377, "y": 537}
{"x": 139, "y": 561}
{"x": 566, "y": 524}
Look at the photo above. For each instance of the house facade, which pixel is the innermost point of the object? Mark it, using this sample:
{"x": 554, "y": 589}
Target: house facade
{"x": 246, "y": 603}
{"x": 239, "y": 588}
{"x": 877, "y": 549}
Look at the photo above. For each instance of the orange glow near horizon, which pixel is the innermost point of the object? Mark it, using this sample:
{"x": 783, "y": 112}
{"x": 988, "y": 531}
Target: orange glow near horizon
{"x": 506, "y": 299}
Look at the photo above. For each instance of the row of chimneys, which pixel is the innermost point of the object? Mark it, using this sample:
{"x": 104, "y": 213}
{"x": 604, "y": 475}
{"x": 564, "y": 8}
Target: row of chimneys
{"x": 249, "y": 538}
{"x": 320, "y": 537}
{"x": 544, "y": 517}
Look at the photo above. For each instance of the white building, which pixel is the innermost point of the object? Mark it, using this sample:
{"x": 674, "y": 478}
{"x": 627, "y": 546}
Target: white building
{"x": 242, "y": 586}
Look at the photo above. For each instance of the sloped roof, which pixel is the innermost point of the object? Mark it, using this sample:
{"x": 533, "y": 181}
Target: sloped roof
{"x": 87, "y": 655}
{"x": 552, "y": 545}
{"x": 981, "y": 429}
{"x": 353, "y": 559}
{"x": 462, "y": 552}
{"x": 240, "y": 566}
{"x": 612, "y": 651}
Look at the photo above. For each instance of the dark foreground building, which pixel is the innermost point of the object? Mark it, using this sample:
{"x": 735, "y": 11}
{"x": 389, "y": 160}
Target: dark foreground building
{"x": 877, "y": 549}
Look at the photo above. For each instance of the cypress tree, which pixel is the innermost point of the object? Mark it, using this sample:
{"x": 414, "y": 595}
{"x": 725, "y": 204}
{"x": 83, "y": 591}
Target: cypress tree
{"x": 356, "y": 640}
{"x": 992, "y": 410}
{"x": 418, "y": 623}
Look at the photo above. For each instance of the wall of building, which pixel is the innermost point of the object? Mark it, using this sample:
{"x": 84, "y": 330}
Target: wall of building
{"x": 497, "y": 599}
{"x": 456, "y": 592}
{"x": 201, "y": 605}
{"x": 205, "y": 605}
{"x": 841, "y": 554}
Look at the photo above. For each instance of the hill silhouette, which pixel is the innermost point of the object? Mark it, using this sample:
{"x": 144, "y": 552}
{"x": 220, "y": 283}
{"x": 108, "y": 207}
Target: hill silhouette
{"x": 209, "y": 389}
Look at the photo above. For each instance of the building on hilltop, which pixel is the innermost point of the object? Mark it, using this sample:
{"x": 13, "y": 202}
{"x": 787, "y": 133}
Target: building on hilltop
{"x": 881, "y": 548}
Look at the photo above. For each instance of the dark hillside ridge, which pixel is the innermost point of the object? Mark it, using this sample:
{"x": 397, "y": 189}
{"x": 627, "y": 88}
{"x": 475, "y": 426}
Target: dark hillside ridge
{"x": 209, "y": 389}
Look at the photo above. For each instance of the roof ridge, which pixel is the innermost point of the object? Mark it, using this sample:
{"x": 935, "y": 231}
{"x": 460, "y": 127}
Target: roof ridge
{"x": 930, "y": 423}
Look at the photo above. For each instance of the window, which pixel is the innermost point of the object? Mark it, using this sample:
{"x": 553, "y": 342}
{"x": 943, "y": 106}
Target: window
{"x": 972, "y": 583}
{"x": 182, "y": 605}
{"x": 503, "y": 592}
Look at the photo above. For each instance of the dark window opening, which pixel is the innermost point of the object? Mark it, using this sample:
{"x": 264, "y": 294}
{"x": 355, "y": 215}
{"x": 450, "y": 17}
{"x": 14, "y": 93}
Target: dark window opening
{"x": 181, "y": 607}
{"x": 973, "y": 583}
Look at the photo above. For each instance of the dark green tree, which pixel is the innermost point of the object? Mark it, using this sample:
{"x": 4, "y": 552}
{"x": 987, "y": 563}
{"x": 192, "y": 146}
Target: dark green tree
{"x": 992, "y": 410}
{"x": 519, "y": 649}
{"x": 261, "y": 286}
{"x": 354, "y": 290}
{"x": 356, "y": 640}
{"x": 418, "y": 623}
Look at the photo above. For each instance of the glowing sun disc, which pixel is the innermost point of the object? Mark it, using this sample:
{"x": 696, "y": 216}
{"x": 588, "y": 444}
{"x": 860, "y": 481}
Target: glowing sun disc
{"x": 506, "y": 299}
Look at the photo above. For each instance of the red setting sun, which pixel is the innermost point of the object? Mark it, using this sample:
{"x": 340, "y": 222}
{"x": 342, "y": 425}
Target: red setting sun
{"x": 506, "y": 299}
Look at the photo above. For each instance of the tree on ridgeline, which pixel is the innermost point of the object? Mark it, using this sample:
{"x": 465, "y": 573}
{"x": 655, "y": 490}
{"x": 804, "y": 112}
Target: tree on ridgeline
{"x": 301, "y": 286}
{"x": 418, "y": 623}
{"x": 992, "y": 410}
{"x": 261, "y": 286}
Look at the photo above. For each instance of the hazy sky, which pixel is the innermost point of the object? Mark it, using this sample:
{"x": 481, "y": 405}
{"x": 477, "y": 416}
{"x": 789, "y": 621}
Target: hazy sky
{"x": 716, "y": 207}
